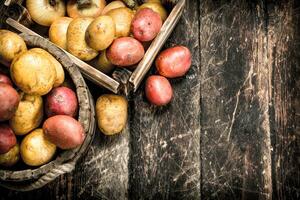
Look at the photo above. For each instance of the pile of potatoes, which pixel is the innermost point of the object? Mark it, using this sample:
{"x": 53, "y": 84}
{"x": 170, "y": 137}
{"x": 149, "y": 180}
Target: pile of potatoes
{"x": 37, "y": 113}
{"x": 103, "y": 33}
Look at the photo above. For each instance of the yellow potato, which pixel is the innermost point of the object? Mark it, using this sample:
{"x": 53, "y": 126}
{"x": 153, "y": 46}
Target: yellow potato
{"x": 76, "y": 43}
{"x": 11, "y": 45}
{"x": 29, "y": 114}
{"x": 11, "y": 157}
{"x": 100, "y": 33}
{"x": 112, "y": 5}
{"x": 36, "y": 150}
{"x": 60, "y": 74}
{"x": 111, "y": 113}
{"x": 58, "y": 31}
{"x": 122, "y": 18}
{"x": 103, "y": 64}
{"x": 33, "y": 73}
{"x": 156, "y": 7}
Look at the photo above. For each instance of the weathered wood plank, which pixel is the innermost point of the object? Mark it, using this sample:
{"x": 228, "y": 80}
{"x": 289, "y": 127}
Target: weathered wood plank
{"x": 165, "y": 142}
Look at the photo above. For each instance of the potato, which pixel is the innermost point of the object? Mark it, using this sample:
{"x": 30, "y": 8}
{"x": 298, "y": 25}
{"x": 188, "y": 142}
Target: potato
{"x": 64, "y": 131}
{"x": 9, "y": 101}
{"x": 33, "y": 73}
{"x": 11, "y": 157}
{"x": 174, "y": 62}
{"x": 100, "y": 33}
{"x": 93, "y": 9}
{"x": 7, "y": 138}
{"x": 146, "y": 25}
{"x": 58, "y": 31}
{"x": 36, "y": 150}
{"x": 76, "y": 43}
{"x": 5, "y": 79}
{"x": 112, "y": 5}
{"x": 29, "y": 114}
{"x": 158, "y": 90}
{"x": 125, "y": 51}
{"x": 11, "y": 45}
{"x": 111, "y": 113}
{"x": 122, "y": 18}
{"x": 60, "y": 74}
{"x": 103, "y": 64}
{"x": 156, "y": 7}
{"x": 61, "y": 101}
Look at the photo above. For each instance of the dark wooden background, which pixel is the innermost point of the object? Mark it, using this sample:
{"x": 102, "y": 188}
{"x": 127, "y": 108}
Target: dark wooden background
{"x": 233, "y": 128}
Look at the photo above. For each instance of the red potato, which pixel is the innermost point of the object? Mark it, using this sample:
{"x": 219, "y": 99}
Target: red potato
{"x": 7, "y": 138}
{"x": 158, "y": 90}
{"x": 174, "y": 62}
{"x": 146, "y": 24}
{"x": 125, "y": 51}
{"x": 5, "y": 79}
{"x": 9, "y": 101}
{"x": 64, "y": 131}
{"x": 61, "y": 101}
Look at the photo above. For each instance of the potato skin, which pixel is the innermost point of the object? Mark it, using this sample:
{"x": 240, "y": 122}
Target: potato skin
{"x": 174, "y": 62}
{"x": 28, "y": 115}
{"x": 146, "y": 25}
{"x": 89, "y": 11}
{"x": 103, "y": 64}
{"x": 112, "y": 5}
{"x": 158, "y": 90}
{"x": 36, "y": 150}
{"x": 9, "y": 101}
{"x": 76, "y": 43}
{"x": 5, "y": 79}
{"x": 111, "y": 113}
{"x": 64, "y": 131}
{"x": 156, "y": 7}
{"x": 33, "y": 73}
{"x": 11, "y": 157}
{"x": 122, "y": 18}
{"x": 100, "y": 33}
{"x": 61, "y": 101}
{"x": 58, "y": 31}
{"x": 11, "y": 45}
{"x": 125, "y": 51}
{"x": 7, "y": 138}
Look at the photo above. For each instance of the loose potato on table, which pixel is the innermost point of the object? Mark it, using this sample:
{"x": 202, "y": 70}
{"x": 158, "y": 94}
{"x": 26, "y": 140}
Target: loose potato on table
{"x": 33, "y": 73}
{"x": 76, "y": 43}
{"x": 174, "y": 62}
{"x": 36, "y": 150}
{"x": 11, "y": 45}
{"x": 125, "y": 51}
{"x": 9, "y": 101}
{"x": 122, "y": 18}
{"x": 29, "y": 114}
{"x": 7, "y": 138}
{"x": 64, "y": 131}
{"x": 100, "y": 33}
{"x": 146, "y": 25}
{"x": 11, "y": 157}
{"x": 111, "y": 113}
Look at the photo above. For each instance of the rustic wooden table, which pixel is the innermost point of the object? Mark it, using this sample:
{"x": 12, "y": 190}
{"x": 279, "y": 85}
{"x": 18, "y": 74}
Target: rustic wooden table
{"x": 233, "y": 128}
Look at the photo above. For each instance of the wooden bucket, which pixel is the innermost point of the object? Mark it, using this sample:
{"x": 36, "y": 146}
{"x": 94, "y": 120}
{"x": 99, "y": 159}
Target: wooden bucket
{"x": 30, "y": 179}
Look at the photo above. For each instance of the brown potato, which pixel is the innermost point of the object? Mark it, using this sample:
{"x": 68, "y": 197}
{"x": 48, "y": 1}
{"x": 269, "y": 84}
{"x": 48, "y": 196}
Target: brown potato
{"x": 33, "y": 73}
{"x": 146, "y": 25}
{"x": 158, "y": 90}
{"x": 93, "y": 10}
{"x": 125, "y": 51}
{"x": 122, "y": 18}
{"x": 103, "y": 64}
{"x": 112, "y": 5}
{"x": 9, "y": 101}
{"x": 29, "y": 114}
{"x": 11, "y": 45}
{"x": 58, "y": 31}
{"x": 174, "y": 62}
{"x": 11, "y": 157}
{"x": 7, "y": 138}
{"x": 111, "y": 113}
{"x": 64, "y": 131}
{"x": 76, "y": 43}
{"x": 60, "y": 74}
{"x": 36, "y": 150}
{"x": 156, "y": 7}
{"x": 100, "y": 33}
